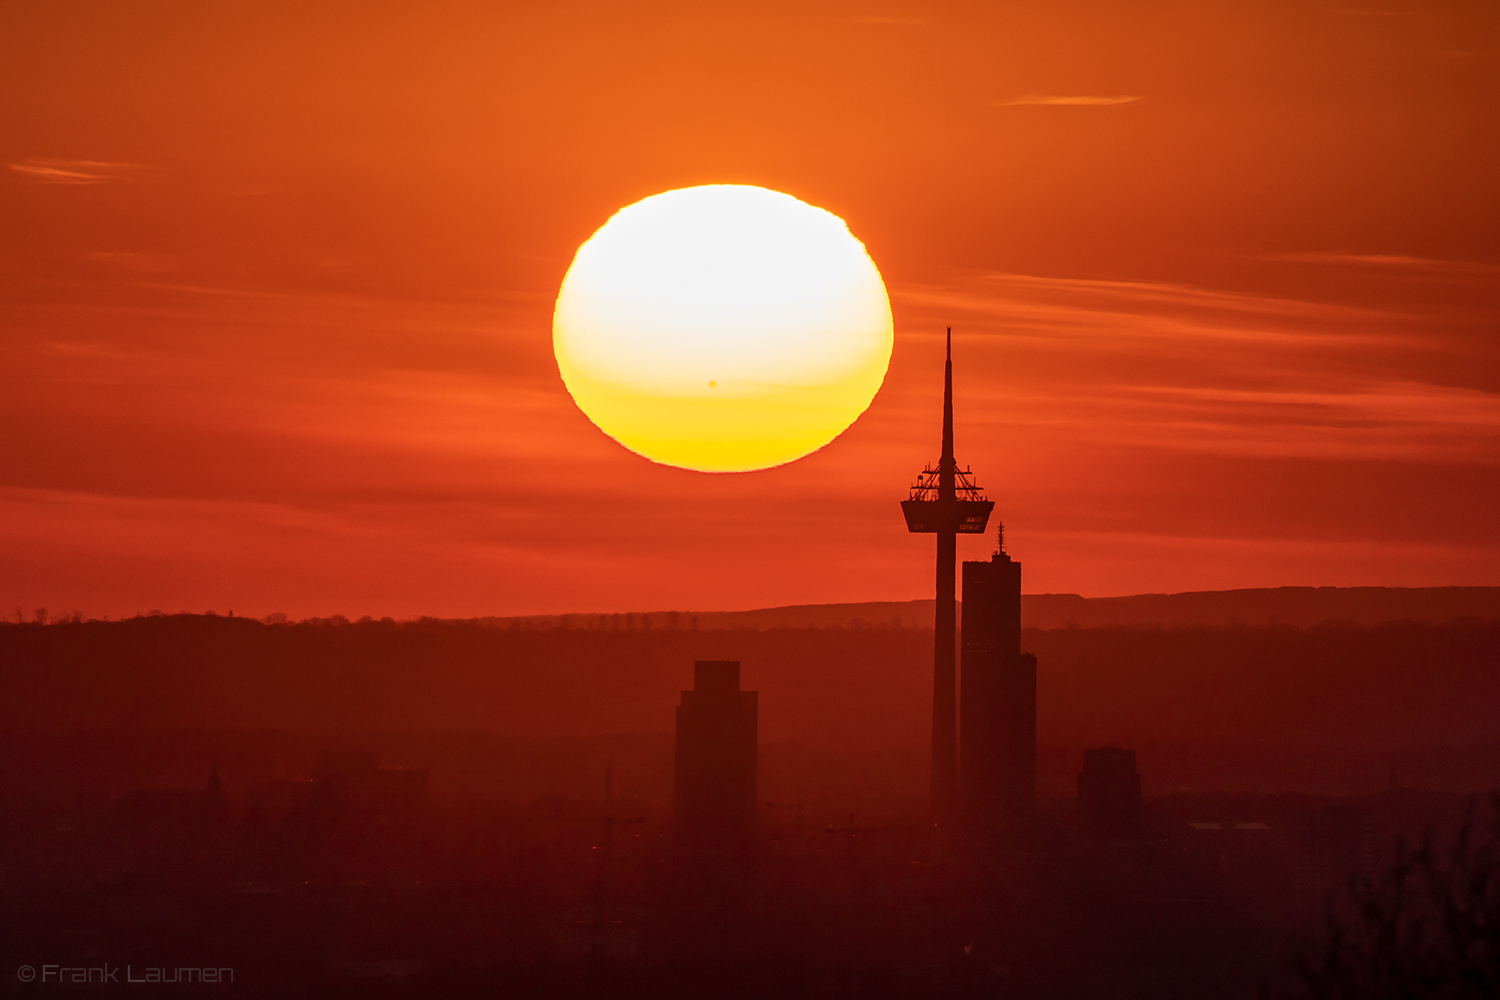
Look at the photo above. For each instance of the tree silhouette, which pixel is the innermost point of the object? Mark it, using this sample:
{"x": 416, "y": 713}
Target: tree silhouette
{"x": 1430, "y": 928}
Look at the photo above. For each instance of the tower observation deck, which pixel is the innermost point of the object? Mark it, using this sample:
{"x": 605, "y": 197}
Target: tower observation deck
{"x": 946, "y": 502}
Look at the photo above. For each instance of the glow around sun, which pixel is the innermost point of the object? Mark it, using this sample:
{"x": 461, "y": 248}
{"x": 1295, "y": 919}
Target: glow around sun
{"x": 722, "y": 328}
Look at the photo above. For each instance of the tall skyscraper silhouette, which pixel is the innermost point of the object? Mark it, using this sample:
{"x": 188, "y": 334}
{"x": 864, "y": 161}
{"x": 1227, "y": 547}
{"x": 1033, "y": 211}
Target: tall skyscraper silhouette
{"x": 997, "y": 753}
{"x": 945, "y": 502}
{"x": 716, "y": 756}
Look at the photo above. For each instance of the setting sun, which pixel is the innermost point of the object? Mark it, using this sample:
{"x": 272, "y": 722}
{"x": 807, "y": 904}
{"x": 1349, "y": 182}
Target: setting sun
{"x": 723, "y": 328}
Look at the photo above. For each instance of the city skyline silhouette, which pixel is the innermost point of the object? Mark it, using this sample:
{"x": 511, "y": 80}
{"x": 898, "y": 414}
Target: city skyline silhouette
{"x": 449, "y": 537}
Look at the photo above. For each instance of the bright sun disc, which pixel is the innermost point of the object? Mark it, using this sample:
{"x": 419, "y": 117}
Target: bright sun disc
{"x": 722, "y": 328}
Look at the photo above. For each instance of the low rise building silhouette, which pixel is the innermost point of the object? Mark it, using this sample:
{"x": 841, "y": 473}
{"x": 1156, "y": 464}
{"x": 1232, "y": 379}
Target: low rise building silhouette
{"x": 997, "y": 707}
{"x": 716, "y": 759}
{"x": 1109, "y": 794}
{"x": 359, "y": 781}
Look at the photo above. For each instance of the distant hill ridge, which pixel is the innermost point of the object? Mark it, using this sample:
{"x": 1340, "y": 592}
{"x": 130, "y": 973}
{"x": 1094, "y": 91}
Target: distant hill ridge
{"x": 1300, "y": 606}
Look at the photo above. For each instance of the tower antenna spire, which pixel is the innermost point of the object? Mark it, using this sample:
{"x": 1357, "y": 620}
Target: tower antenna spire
{"x": 947, "y": 462}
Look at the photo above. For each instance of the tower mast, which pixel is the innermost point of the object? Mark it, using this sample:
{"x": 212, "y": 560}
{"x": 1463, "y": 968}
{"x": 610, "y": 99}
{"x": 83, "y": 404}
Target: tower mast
{"x": 946, "y": 502}
{"x": 945, "y": 618}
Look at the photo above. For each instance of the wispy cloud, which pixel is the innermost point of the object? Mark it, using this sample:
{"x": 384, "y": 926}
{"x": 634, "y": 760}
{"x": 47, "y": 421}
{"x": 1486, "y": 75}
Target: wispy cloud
{"x": 131, "y": 261}
{"x": 1377, "y": 420}
{"x": 1331, "y": 419}
{"x": 1160, "y": 365}
{"x": 78, "y": 171}
{"x": 1063, "y": 310}
{"x": 1388, "y": 261}
{"x": 1071, "y": 100}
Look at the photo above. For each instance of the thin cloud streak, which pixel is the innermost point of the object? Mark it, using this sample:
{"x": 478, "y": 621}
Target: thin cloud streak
{"x": 77, "y": 172}
{"x": 1388, "y": 262}
{"x": 1073, "y": 101}
{"x": 1085, "y": 309}
{"x": 1409, "y": 403}
{"x": 1395, "y": 421}
{"x": 1168, "y": 293}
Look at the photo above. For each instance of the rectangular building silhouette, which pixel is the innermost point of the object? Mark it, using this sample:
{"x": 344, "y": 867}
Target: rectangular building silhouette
{"x": 1109, "y": 794}
{"x": 714, "y": 803}
{"x": 997, "y": 704}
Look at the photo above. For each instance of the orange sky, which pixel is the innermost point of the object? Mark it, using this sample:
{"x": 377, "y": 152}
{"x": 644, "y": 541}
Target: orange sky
{"x": 276, "y": 290}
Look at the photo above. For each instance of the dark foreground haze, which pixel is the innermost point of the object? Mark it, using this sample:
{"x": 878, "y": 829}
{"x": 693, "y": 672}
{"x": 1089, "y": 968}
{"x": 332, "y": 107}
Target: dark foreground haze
{"x": 453, "y": 807}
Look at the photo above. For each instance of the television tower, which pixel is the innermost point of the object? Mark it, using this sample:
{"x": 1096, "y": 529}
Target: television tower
{"x": 946, "y": 502}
